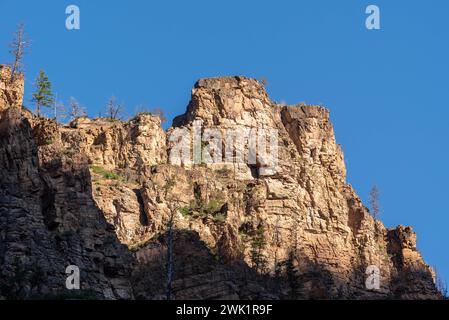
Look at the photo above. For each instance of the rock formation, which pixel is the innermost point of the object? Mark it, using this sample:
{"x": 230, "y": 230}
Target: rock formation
{"x": 99, "y": 194}
{"x": 11, "y": 93}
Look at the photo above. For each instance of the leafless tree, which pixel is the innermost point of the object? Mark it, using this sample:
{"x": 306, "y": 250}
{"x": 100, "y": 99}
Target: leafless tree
{"x": 18, "y": 49}
{"x": 60, "y": 110}
{"x": 170, "y": 225}
{"x": 173, "y": 207}
{"x": 440, "y": 284}
{"x": 277, "y": 244}
{"x": 160, "y": 113}
{"x": 374, "y": 199}
{"x": 277, "y": 264}
{"x": 142, "y": 108}
{"x": 114, "y": 109}
{"x": 75, "y": 109}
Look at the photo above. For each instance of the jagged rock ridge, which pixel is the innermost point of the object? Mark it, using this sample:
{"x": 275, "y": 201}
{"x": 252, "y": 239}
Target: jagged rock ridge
{"x": 242, "y": 232}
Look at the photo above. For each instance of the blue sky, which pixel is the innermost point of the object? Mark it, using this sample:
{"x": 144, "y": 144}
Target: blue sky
{"x": 387, "y": 89}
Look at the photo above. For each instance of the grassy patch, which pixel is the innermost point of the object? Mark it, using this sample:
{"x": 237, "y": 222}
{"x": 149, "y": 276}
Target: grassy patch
{"x": 220, "y": 217}
{"x": 105, "y": 173}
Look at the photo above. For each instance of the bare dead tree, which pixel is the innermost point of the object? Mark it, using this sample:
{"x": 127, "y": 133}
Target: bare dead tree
{"x": 60, "y": 110}
{"x": 277, "y": 265}
{"x": 18, "y": 49}
{"x": 75, "y": 109}
{"x": 277, "y": 244}
{"x": 173, "y": 207}
{"x": 114, "y": 109}
{"x": 142, "y": 109}
{"x": 374, "y": 200}
{"x": 170, "y": 252}
{"x": 160, "y": 113}
{"x": 440, "y": 284}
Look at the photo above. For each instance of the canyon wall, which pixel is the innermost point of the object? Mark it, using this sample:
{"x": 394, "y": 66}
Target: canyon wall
{"x": 101, "y": 194}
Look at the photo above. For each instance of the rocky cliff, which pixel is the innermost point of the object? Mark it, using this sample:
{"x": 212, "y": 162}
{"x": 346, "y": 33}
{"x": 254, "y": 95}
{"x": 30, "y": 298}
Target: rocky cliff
{"x": 11, "y": 88}
{"x": 283, "y": 224}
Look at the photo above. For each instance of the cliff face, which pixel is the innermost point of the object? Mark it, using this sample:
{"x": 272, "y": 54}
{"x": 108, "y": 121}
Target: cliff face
{"x": 49, "y": 221}
{"x": 11, "y": 90}
{"x": 286, "y": 225}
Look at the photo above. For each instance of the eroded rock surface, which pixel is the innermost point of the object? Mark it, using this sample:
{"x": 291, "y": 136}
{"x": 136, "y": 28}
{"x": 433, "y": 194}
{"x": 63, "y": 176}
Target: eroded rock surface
{"x": 11, "y": 89}
{"x": 295, "y": 230}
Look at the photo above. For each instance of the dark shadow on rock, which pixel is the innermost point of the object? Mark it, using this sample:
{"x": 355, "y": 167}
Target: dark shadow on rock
{"x": 143, "y": 218}
{"x": 200, "y": 274}
{"x": 48, "y": 221}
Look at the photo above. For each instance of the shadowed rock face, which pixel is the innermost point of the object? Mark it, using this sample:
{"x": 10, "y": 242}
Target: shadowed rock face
{"x": 74, "y": 194}
{"x": 48, "y": 221}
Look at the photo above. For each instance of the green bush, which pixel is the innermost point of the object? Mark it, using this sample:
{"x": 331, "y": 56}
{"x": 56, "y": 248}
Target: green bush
{"x": 213, "y": 206}
{"x": 185, "y": 211}
{"x": 201, "y": 210}
{"x": 258, "y": 244}
{"x": 105, "y": 174}
{"x": 220, "y": 217}
{"x": 145, "y": 113}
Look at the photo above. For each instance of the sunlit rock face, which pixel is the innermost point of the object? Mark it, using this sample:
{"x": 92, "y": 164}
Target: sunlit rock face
{"x": 11, "y": 89}
{"x": 285, "y": 225}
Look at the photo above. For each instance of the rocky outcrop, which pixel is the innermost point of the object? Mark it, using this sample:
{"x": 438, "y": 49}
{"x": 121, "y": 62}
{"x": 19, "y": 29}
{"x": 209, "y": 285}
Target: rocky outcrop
{"x": 284, "y": 226}
{"x": 11, "y": 90}
{"x": 116, "y": 145}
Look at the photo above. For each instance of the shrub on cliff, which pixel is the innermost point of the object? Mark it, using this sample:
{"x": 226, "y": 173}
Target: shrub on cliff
{"x": 105, "y": 173}
{"x": 258, "y": 244}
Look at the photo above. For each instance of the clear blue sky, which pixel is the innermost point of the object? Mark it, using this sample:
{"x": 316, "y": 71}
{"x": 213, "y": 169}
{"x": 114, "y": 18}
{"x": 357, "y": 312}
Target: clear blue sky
{"x": 387, "y": 90}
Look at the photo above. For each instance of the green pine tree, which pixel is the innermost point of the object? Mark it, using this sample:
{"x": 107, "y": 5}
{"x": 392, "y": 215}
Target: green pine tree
{"x": 259, "y": 261}
{"x": 43, "y": 97}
